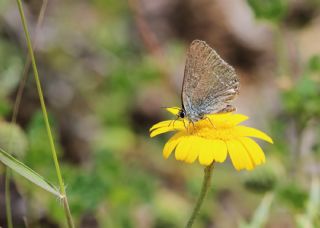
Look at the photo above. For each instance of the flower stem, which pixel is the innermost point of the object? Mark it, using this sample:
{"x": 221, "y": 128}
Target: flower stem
{"x": 45, "y": 116}
{"x": 204, "y": 190}
{"x": 8, "y": 197}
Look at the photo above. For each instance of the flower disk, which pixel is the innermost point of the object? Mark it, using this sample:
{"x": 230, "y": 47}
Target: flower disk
{"x": 211, "y": 139}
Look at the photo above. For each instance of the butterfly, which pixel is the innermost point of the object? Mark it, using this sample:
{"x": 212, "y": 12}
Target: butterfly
{"x": 209, "y": 83}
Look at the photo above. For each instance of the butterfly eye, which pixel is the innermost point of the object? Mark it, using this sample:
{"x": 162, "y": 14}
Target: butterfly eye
{"x": 182, "y": 113}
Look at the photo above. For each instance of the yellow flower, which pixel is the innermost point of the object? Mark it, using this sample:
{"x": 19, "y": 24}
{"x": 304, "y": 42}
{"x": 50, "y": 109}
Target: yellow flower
{"x": 211, "y": 139}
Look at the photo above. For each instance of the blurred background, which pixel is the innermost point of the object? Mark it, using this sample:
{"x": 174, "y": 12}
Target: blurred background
{"x": 107, "y": 67}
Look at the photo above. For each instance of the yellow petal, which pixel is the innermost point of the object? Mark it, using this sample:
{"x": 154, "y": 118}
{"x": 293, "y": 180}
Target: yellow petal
{"x": 237, "y": 163}
{"x": 219, "y": 116}
{"x": 161, "y": 124}
{"x": 193, "y": 151}
{"x": 254, "y": 150}
{"x": 226, "y": 119}
{"x": 161, "y": 130}
{"x": 171, "y": 144}
{"x": 219, "y": 150}
{"x": 252, "y": 132}
{"x": 235, "y": 119}
{"x": 239, "y": 156}
{"x": 217, "y": 119}
{"x": 205, "y": 150}
{"x": 177, "y": 124}
{"x": 174, "y": 110}
{"x": 182, "y": 149}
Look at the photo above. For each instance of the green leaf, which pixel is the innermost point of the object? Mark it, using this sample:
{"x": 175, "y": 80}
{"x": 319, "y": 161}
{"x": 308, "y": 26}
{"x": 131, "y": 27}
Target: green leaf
{"x": 309, "y": 218}
{"x": 28, "y": 173}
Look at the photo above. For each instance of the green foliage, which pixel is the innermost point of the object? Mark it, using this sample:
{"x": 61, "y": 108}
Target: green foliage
{"x": 39, "y": 153}
{"x": 13, "y": 139}
{"x": 90, "y": 192}
{"x": 300, "y": 106}
{"x": 4, "y": 107}
{"x": 122, "y": 86}
{"x": 111, "y": 7}
{"x": 314, "y": 64}
{"x": 272, "y": 10}
{"x": 311, "y": 217}
{"x": 293, "y": 195}
{"x": 261, "y": 180}
{"x": 10, "y": 68}
{"x": 279, "y": 127}
{"x": 302, "y": 101}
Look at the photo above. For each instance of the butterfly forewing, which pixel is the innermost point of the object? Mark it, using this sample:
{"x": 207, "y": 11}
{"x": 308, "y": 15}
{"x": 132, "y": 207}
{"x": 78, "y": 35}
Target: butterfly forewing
{"x": 209, "y": 83}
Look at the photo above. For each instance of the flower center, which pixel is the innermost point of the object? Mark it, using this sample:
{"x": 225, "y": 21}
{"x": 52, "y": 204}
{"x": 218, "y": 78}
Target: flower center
{"x": 209, "y": 129}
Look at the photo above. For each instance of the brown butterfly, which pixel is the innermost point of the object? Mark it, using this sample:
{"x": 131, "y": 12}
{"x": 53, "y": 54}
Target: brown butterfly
{"x": 209, "y": 83}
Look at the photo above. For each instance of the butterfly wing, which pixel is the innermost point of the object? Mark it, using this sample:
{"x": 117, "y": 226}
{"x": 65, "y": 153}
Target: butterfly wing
{"x": 209, "y": 83}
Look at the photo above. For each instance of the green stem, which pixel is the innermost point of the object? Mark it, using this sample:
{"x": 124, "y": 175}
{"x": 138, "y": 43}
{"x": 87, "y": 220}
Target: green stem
{"x": 45, "y": 115}
{"x": 67, "y": 211}
{"x": 27, "y": 65}
{"x": 8, "y": 201}
{"x": 15, "y": 114}
{"x": 204, "y": 190}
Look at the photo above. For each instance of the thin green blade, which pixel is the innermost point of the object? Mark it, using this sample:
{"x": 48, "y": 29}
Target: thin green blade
{"x": 28, "y": 173}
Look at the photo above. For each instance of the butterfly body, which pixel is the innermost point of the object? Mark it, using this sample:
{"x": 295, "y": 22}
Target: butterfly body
{"x": 209, "y": 83}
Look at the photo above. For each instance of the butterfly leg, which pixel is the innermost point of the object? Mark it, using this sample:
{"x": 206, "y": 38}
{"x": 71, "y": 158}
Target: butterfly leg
{"x": 211, "y": 122}
{"x": 173, "y": 121}
{"x": 184, "y": 123}
{"x": 193, "y": 126}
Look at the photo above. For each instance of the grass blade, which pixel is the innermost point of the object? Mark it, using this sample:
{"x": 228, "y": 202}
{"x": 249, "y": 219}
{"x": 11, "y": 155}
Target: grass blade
{"x": 261, "y": 214}
{"x": 28, "y": 173}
